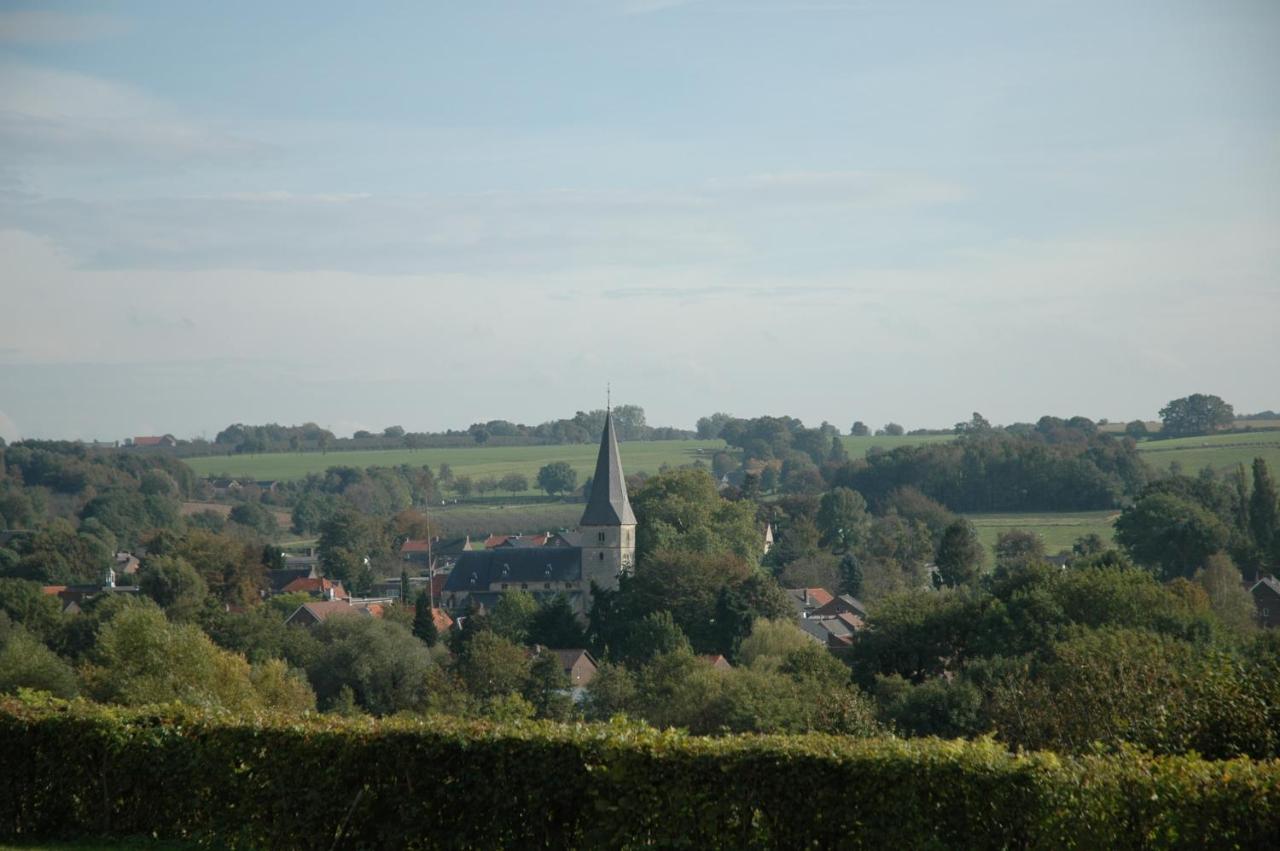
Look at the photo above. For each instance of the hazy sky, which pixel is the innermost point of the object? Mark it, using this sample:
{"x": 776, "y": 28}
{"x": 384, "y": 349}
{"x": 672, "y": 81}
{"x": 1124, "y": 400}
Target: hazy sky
{"x": 437, "y": 213}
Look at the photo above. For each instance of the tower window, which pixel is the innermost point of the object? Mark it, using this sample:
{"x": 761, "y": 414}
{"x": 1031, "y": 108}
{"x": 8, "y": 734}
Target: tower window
{"x": 602, "y": 556}
{"x": 600, "y": 537}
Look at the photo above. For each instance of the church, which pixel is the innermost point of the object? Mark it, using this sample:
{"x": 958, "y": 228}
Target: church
{"x": 603, "y": 548}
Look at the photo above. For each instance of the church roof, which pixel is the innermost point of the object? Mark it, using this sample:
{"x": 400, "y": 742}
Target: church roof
{"x": 608, "y": 505}
{"x": 477, "y": 569}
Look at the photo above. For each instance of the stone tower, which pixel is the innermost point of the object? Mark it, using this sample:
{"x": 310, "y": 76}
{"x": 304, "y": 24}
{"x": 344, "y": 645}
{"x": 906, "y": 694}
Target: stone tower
{"x": 608, "y": 526}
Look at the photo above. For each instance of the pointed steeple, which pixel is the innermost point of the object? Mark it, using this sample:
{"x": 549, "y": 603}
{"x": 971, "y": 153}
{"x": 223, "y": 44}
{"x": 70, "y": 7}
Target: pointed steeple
{"x": 608, "y": 505}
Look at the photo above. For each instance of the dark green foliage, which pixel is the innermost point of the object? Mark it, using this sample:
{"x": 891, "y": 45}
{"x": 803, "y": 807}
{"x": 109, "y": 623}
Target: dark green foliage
{"x": 712, "y": 598}
{"x": 252, "y": 515}
{"x": 1198, "y": 413}
{"x": 683, "y": 510}
{"x": 1017, "y": 549}
{"x": 1264, "y": 510}
{"x": 386, "y": 668}
{"x": 1059, "y": 466}
{"x": 1170, "y": 534}
{"x": 412, "y": 783}
{"x": 174, "y": 584}
{"x": 960, "y": 554}
{"x": 557, "y": 477}
{"x": 424, "y": 625}
{"x": 25, "y": 662}
{"x": 555, "y": 624}
{"x": 850, "y": 575}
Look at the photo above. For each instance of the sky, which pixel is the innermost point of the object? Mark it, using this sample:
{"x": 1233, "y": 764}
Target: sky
{"x": 432, "y": 214}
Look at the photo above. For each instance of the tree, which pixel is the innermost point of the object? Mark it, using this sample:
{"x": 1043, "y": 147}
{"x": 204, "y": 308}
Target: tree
{"x": 1170, "y": 534}
{"x": 424, "y": 622}
{"x": 1017, "y": 549}
{"x": 174, "y": 584}
{"x": 1196, "y": 414}
{"x": 1228, "y": 598}
{"x": 25, "y": 662}
{"x": 655, "y": 634}
{"x": 798, "y": 539}
{"x": 770, "y": 643}
{"x": 1264, "y": 511}
{"x": 512, "y": 615}
{"x": 384, "y": 666}
{"x": 821, "y": 570}
{"x": 555, "y": 624}
{"x": 557, "y": 477}
{"x": 1137, "y": 429}
{"x": 393, "y": 431}
{"x": 859, "y": 429}
{"x": 252, "y": 515}
{"x": 515, "y": 483}
{"x": 548, "y": 687}
{"x": 842, "y": 519}
{"x": 893, "y": 429}
{"x": 492, "y": 666}
{"x": 683, "y": 510}
{"x": 960, "y": 554}
{"x": 850, "y": 575}
{"x": 142, "y": 658}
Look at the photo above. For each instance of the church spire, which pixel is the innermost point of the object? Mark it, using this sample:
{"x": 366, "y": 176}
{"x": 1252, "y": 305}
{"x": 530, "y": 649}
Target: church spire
{"x": 608, "y": 505}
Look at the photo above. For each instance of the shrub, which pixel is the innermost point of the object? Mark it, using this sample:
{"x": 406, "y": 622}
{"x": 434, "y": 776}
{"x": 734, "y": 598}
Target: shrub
{"x": 79, "y": 769}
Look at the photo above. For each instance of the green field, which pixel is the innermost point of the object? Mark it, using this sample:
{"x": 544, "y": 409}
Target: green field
{"x": 476, "y": 462}
{"x": 475, "y": 519}
{"x": 481, "y": 461}
{"x": 1058, "y": 530}
{"x": 1219, "y": 451}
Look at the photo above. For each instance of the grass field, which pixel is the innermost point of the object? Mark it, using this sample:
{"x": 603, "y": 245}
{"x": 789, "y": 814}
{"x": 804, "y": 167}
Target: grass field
{"x": 481, "y": 461}
{"x": 476, "y": 462}
{"x": 1219, "y": 451}
{"x": 1058, "y": 530}
{"x": 477, "y": 520}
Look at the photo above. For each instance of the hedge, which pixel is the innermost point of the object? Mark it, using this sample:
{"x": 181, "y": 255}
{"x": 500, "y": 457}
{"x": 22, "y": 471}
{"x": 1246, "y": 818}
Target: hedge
{"x": 75, "y": 769}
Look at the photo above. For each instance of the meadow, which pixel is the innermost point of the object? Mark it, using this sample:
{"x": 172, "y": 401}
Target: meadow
{"x": 1058, "y": 530}
{"x": 1220, "y": 451}
{"x": 481, "y": 461}
{"x": 477, "y": 462}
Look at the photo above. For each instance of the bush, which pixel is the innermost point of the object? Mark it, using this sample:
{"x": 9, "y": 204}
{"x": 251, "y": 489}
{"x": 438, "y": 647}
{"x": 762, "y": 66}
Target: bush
{"x": 79, "y": 769}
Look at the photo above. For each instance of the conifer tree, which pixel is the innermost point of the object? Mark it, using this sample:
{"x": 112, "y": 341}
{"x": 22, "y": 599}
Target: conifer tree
{"x": 424, "y": 625}
{"x": 1264, "y": 510}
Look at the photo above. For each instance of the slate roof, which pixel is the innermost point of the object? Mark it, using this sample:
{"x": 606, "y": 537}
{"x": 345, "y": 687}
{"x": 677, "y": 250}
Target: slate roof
{"x": 477, "y": 569}
{"x": 608, "y": 505}
{"x": 1269, "y": 582}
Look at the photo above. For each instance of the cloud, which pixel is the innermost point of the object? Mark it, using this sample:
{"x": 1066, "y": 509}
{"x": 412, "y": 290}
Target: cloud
{"x": 868, "y": 188}
{"x": 43, "y": 27}
{"x": 69, "y": 118}
{"x": 720, "y": 222}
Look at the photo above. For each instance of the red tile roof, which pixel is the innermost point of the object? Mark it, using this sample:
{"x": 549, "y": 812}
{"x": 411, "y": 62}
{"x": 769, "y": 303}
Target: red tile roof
{"x": 413, "y": 545}
{"x": 818, "y": 596}
{"x": 315, "y": 586}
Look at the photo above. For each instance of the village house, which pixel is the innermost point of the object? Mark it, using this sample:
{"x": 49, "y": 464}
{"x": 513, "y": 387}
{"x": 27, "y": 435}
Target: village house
{"x": 1266, "y": 599}
{"x": 808, "y": 600}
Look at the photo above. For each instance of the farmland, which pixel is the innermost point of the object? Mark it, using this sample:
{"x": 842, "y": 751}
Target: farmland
{"x": 480, "y": 461}
{"x": 1058, "y": 530}
{"x": 1219, "y": 451}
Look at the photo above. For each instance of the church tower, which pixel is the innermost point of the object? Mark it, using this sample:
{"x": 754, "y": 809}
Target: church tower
{"x": 608, "y": 526}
